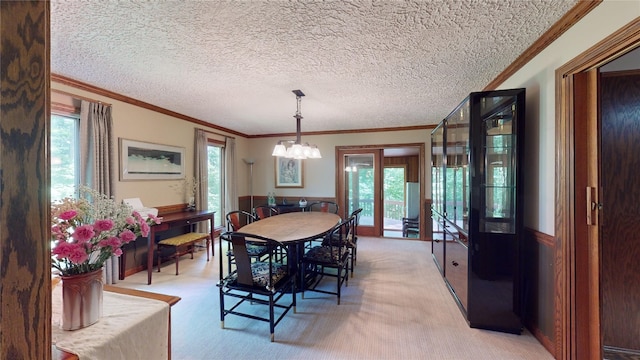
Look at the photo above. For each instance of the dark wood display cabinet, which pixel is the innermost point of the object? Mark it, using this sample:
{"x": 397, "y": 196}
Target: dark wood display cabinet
{"x": 477, "y": 206}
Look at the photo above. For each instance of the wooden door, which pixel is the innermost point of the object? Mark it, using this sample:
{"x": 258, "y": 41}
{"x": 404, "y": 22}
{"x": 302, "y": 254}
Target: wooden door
{"x": 620, "y": 198}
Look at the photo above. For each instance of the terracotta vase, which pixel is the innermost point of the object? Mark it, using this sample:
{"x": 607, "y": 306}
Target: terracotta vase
{"x": 81, "y": 300}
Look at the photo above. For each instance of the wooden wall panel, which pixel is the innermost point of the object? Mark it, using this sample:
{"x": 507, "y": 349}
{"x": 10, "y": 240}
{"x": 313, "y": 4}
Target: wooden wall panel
{"x": 539, "y": 275}
{"x": 412, "y": 165}
{"x": 25, "y": 253}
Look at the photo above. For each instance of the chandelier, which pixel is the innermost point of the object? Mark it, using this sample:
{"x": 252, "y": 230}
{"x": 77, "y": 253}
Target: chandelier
{"x": 295, "y": 149}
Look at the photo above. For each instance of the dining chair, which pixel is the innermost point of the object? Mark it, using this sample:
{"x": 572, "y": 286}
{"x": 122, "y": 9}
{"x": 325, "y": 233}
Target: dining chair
{"x": 351, "y": 241}
{"x": 324, "y": 206}
{"x": 265, "y": 211}
{"x": 235, "y": 221}
{"x": 331, "y": 259}
{"x": 268, "y": 282}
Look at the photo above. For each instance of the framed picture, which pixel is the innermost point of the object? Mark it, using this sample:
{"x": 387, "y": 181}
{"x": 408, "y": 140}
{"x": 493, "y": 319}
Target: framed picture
{"x": 288, "y": 173}
{"x": 147, "y": 161}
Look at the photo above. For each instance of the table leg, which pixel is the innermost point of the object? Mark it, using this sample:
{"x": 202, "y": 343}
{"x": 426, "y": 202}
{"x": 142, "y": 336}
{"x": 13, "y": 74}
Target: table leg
{"x": 150, "y": 243}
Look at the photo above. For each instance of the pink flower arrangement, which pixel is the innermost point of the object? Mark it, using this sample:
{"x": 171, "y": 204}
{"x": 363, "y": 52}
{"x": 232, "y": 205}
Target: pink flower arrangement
{"x": 87, "y": 233}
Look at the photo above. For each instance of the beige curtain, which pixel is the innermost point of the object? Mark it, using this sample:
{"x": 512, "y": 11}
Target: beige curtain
{"x": 230, "y": 176}
{"x": 96, "y": 149}
{"x": 96, "y": 160}
{"x": 201, "y": 167}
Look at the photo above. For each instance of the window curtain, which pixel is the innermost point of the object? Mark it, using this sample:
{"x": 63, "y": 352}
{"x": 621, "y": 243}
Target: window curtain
{"x": 230, "y": 176}
{"x": 96, "y": 160}
{"x": 201, "y": 167}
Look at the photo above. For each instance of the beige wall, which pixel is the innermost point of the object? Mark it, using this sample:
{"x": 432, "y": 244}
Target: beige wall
{"x": 538, "y": 76}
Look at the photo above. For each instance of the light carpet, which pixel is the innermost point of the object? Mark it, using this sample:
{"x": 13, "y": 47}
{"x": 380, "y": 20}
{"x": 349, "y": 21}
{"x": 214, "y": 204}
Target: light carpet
{"x": 395, "y": 307}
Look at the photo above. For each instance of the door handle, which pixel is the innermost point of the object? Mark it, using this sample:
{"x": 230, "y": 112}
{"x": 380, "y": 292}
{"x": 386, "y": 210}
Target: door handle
{"x": 592, "y": 205}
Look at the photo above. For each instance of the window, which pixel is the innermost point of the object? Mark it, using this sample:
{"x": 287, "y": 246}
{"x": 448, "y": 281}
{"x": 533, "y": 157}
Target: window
{"x": 215, "y": 154}
{"x": 65, "y": 154}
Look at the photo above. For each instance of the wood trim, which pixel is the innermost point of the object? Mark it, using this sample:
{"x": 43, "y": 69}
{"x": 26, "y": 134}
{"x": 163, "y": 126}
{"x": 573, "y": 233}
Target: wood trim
{"x": 617, "y": 44}
{"x": 79, "y": 97}
{"x": 580, "y": 10}
{"x": 614, "y": 45}
{"x": 169, "y": 299}
{"x": 110, "y": 94}
{"x": 541, "y": 238}
{"x": 64, "y": 109}
{"x": 546, "y": 342}
{"x": 352, "y": 131}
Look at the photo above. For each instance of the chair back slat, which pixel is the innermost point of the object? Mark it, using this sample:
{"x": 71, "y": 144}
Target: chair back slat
{"x": 323, "y": 206}
{"x": 243, "y": 262}
{"x": 265, "y": 212}
{"x": 237, "y": 219}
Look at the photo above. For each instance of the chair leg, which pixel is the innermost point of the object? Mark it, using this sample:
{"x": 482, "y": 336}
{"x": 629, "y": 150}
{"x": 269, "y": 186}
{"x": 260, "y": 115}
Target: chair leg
{"x": 271, "y": 316}
{"x": 339, "y": 280}
{"x": 221, "y": 308}
{"x": 207, "y": 246}
{"x": 177, "y": 259}
{"x": 351, "y": 259}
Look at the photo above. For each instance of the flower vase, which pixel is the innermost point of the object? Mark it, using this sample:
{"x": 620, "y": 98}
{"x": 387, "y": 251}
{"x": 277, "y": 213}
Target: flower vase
{"x": 81, "y": 300}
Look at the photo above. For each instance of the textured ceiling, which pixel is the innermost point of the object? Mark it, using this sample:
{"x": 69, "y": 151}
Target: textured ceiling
{"x": 361, "y": 64}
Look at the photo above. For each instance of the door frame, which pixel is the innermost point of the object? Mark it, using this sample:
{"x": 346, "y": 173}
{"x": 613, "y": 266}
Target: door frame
{"x": 340, "y": 186}
{"x": 576, "y": 337}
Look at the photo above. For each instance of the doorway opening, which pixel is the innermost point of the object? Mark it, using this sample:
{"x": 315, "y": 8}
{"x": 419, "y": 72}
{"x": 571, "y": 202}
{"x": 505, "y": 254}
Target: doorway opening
{"x": 387, "y": 182}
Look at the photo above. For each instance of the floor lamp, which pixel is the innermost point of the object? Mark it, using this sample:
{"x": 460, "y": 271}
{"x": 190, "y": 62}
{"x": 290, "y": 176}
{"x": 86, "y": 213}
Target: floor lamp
{"x": 250, "y": 162}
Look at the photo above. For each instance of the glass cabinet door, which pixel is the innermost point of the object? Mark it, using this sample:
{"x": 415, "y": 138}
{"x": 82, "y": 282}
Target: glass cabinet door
{"x": 457, "y": 177}
{"x": 437, "y": 169}
{"x": 499, "y": 154}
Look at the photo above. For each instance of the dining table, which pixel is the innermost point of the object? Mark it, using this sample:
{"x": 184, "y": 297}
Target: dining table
{"x": 293, "y": 230}
{"x": 293, "y": 227}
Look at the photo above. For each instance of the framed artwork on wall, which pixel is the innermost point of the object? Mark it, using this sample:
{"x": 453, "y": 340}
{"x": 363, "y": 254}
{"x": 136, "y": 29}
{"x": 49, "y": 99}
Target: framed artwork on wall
{"x": 148, "y": 161}
{"x": 289, "y": 173}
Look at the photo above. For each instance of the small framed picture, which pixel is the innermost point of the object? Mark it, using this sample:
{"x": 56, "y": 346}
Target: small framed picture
{"x": 288, "y": 173}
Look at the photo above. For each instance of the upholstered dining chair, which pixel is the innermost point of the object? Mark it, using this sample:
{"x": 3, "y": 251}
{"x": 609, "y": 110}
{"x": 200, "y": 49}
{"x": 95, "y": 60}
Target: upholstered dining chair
{"x": 324, "y": 206}
{"x": 331, "y": 259}
{"x": 351, "y": 241}
{"x": 235, "y": 221}
{"x": 268, "y": 282}
{"x": 265, "y": 211}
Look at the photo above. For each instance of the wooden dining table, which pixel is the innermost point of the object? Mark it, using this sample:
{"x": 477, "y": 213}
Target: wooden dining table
{"x": 293, "y": 227}
{"x": 293, "y": 230}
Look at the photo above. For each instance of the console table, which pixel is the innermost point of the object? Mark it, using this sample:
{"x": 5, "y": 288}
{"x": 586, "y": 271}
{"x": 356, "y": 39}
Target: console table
{"x": 171, "y": 221}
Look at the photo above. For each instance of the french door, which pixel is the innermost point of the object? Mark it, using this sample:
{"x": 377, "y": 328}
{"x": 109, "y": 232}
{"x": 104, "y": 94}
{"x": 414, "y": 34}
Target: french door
{"x": 359, "y": 186}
